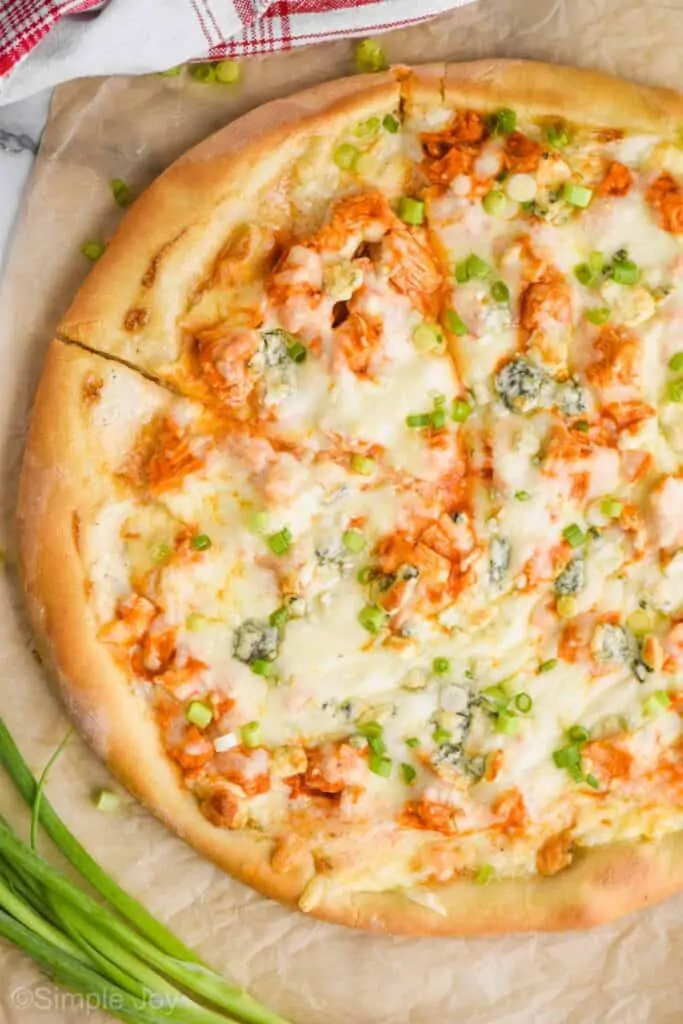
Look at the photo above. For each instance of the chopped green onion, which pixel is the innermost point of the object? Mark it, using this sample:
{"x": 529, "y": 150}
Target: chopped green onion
{"x": 441, "y": 736}
{"x": 656, "y": 704}
{"x": 582, "y": 425}
{"x": 409, "y": 774}
{"x": 455, "y": 324}
{"x": 107, "y": 801}
{"x": 503, "y": 122}
{"x": 578, "y": 734}
{"x": 366, "y": 575}
{"x": 441, "y": 666}
{"x": 345, "y": 156}
{"x": 93, "y": 250}
{"x": 258, "y": 522}
{"x": 369, "y": 127}
{"x": 496, "y": 696}
{"x": 567, "y": 606}
{"x": 202, "y": 542}
{"x": 598, "y": 315}
{"x": 203, "y": 72}
{"x": 196, "y": 621}
{"x": 371, "y": 730}
{"x": 557, "y": 136}
{"x": 297, "y": 352}
{"x": 418, "y": 420}
{"x": 460, "y": 410}
{"x": 625, "y": 272}
{"x": 611, "y": 508}
{"x": 596, "y": 261}
{"x": 574, "y": 535}
{"x": 548, "y": 666}
{"x": 199, "y": 714}
{"x": 568, "y": 757}
{"x": 250, "y": 734}
{"x": 500, "y": 292}
{"x": 264, "y": 668}
{"x": 373, "y": 618}
{"x": 280, "y": 617}
{"x": 676, "y": 363}
{"x": 583, "y": 274}
{"x": 370, "y": 56}
{"x": 522, "y": 496}
{"x": 438, "y": 419}
{"x": 640, "y": 622}
{"x": 412, "y": 741}
{"x": 354, "y": 541}
{"x": 427, "y": 338}
{"x": 592, "y": 781}
{"x": 506, "y": 723}
{"x": 363, "y": 465}
{"x": 228, "y": 72}
{"x": 161, "y": 552}
{"x": 380, "y": 765}
{"x": 120, "y": 191}
{"x": 675, "y": 390}
{"x": 494, "y": 202}
{"x": 484, "y": 874}
{"x": 576, "y": 195}
{"x": 411, "y": 211}
{"x": 523, "y": 703}
{"x": 391, "y": 124}
{"x": 280, "y": 543}
{"x": 171, "y": 72}
{"x": 472, "y": 268}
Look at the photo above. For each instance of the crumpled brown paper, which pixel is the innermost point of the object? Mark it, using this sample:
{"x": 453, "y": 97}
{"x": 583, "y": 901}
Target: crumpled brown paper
{"x": 311, "y": 972}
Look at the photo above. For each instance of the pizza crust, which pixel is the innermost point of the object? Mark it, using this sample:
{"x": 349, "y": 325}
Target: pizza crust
{"x": 57, "y": 480}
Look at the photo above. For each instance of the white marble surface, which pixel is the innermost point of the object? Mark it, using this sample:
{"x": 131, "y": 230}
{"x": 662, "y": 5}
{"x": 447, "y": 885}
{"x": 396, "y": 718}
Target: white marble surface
{"x": 21, "y": 125}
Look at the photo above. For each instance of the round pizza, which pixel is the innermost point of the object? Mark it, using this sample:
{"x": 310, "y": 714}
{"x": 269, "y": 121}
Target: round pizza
{"x": 352, "y": 508}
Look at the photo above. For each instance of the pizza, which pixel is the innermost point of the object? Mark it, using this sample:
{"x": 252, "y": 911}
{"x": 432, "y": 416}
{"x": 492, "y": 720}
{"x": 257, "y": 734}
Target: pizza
{"x": 352, "y": 507}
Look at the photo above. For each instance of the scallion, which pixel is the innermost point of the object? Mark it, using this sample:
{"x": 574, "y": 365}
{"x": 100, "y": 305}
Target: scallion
{"x": 373, "y": 618}
{"x": 353, "y": 541}
{"x": 199, "y": 714}
{"x": 455, "y": 324}
{"x": 391, "y": 124}
{"x": 408, "y": 773}
{"x": 280, "y": 543}
{"x": 107, "y": 801}
{"x": 576, "y": 195}
{"x": 345, "y": 156}
{"x": 370, "y": 56}
{"x": 460, "y": 410}
{"x": 441, "y": 666}
{"x": 201, "y": 542}
{"x": 411, "y": 211}
{"x": 574, "y": 535}
{"x": 363, "y": 465}
{"x": 250, "y": 734}
{"x": 676, "y": 363}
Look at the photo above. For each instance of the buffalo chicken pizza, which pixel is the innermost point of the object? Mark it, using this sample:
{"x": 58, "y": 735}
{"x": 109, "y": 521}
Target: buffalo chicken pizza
{"x": 352, "y": 508}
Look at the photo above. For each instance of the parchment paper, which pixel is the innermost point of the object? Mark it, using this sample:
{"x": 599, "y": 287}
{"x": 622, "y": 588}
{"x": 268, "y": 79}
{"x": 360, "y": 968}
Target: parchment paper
{"x": 312, "y": 972}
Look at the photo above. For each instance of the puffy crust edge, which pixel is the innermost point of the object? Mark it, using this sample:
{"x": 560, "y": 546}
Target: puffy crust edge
{"x": 577, "y": 94}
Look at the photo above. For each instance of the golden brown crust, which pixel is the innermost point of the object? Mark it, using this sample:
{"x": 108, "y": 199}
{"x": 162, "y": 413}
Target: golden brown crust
{"x": 176, "y": 228}
{"x": 57, "y": 483}
{"x": 575, "y": 94}
{"x": 169, "y": 222}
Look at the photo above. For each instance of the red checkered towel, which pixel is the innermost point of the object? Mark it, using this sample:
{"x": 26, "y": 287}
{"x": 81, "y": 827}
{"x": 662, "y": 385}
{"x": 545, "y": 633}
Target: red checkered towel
{"x": 91, "y": 37}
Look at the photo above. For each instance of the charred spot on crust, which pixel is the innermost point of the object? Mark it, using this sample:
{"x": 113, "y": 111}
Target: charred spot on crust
{"x": 92, "y": 386}
{"x": 76, "y": 529}
{"x": 340, "y": 313}
{"x": 137, "y": 318}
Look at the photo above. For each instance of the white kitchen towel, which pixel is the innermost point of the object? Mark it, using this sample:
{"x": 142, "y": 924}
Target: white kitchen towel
{"x": 44, "y": 43}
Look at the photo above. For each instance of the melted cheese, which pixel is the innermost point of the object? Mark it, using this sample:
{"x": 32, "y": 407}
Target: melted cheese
{"x": 522, "y": 545}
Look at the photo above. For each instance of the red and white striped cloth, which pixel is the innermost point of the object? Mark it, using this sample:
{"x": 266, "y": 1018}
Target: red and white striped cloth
{"x": 82, "y": 37}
